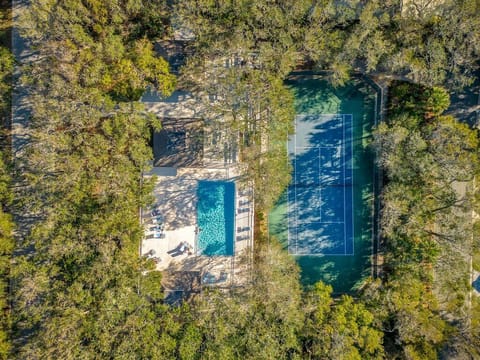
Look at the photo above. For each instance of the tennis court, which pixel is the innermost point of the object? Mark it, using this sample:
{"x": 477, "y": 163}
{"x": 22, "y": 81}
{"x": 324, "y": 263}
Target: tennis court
{"x": 325, "y": 218}
{"x": 320, "y": 197}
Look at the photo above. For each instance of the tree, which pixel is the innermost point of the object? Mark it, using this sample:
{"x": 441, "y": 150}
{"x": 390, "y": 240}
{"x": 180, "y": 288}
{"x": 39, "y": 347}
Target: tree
{"x": 409, "y": 315}
{"x": 6, "y": 197}
{"x": 93, "y": 45}
{"x": 426, "y": 157}
{"x": 438, "y": 47}
{"x": 6, "y": 250}
{"x": 437, "y": 101}
{"x": 259, "y": 321}
{"x": 339, "y": 330}
{"x": 79, "y": 289}
{"x": 252, "y": 109}
{"x": 264, "y": 34}
{"x": 6, "y": 69}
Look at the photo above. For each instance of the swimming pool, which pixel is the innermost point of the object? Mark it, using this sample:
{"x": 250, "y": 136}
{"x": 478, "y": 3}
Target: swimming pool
{"x": 216, "y": 217}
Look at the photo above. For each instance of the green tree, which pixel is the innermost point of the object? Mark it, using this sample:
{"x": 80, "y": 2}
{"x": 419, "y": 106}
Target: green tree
{"x": 84, "y": 276}
{"x": 6, "y": 250}
{"x": 6, "y": 69}
{"x": 438, "y": 47}
{"x": 80, "y": 292}
{"x": 339, "y": 330}
{"x": 6, "y": 197}
{"x": 252, "y": 109}
{"x": 427, "y": 157}
{"x": 93, "y": 45}
{"x": 259, "y": 321}
{"x": 408, "y": 313}
{"x": 265, "y": 35}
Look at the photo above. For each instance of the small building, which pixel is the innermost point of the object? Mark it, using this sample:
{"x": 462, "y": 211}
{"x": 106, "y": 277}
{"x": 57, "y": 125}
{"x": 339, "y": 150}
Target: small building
{"x": 179, "y": 143}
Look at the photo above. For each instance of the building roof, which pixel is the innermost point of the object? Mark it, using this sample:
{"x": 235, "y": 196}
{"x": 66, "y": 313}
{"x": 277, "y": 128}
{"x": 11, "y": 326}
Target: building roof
{"x": 179, "y": 143}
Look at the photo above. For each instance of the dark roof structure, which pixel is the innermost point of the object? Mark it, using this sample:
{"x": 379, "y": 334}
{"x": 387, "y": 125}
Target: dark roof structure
{"x": 179, "y": 143}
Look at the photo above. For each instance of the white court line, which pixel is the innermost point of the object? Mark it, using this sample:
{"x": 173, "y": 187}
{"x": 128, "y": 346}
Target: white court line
{"x": 325, "y": 222}
{"x": 295, "y": 214}
{"x": 351, "y": 194}
{"x": 341, "y": 117}
{"x": 351, "y": 190}
{"x": 319, "y": 255}
{"x": 344, "y": 189}
{"x": 319, "y": 191}
{"x": 320, "y": 115}
{"x": 288, "y": 209}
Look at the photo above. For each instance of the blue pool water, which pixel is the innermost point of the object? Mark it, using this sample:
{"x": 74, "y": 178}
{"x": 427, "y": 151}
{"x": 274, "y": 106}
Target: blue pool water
{"x": 216, "y": 217}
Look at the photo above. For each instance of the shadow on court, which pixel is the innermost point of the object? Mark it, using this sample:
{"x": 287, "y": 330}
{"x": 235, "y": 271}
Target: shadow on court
{"x": 320, "y": 196}
{"x": 324, "y": 206}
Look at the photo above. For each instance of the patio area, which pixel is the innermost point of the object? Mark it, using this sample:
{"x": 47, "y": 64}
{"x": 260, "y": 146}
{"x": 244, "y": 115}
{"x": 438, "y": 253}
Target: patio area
{"x": 171, "y": 230}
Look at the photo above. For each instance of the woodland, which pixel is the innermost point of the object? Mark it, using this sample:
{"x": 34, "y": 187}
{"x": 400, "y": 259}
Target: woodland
{"x": 71, "y": 280}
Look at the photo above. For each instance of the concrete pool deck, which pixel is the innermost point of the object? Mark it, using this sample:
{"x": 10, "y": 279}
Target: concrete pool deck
{"x": 176, "y": 214}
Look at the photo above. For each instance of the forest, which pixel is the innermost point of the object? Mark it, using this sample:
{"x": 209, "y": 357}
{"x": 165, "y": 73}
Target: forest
{"x": 71, "y": 280}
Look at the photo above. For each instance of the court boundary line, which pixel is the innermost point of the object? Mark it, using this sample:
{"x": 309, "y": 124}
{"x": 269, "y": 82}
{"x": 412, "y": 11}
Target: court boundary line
{"x": 343, "y": 119}
{"x": 295, "y": 191}
{"x": 318, "y": 255}
{"x": 352, "y": 197}
{"x": 319, "y": 189}
{"x": 344, "y": 190}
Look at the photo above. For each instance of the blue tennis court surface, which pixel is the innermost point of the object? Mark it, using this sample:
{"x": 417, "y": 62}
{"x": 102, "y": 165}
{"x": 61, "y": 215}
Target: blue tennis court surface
{"x": 320, "y": 197}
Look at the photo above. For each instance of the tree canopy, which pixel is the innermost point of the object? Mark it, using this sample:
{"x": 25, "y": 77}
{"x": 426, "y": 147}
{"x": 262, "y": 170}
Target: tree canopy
{"x": 426, "y": 219}
{"x": 99, "y": 46}
{"x": 79, "y": 288}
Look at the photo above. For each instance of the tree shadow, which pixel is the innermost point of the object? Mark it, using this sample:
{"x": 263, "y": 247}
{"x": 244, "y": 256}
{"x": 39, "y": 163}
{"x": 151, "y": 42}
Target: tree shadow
{"x": 177, "y": 198}
{"x": 315, "y": 96}
{"x": 476, "y": 284}
{"x": 464, "y": 104}
{"x": 176, "y": 201}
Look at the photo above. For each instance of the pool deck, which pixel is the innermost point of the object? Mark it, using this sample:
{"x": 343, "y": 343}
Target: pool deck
{"x": 173, "y": 244}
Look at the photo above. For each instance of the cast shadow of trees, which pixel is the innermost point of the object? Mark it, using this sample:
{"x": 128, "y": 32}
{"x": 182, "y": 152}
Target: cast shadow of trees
{"x": 356, "y": 98}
